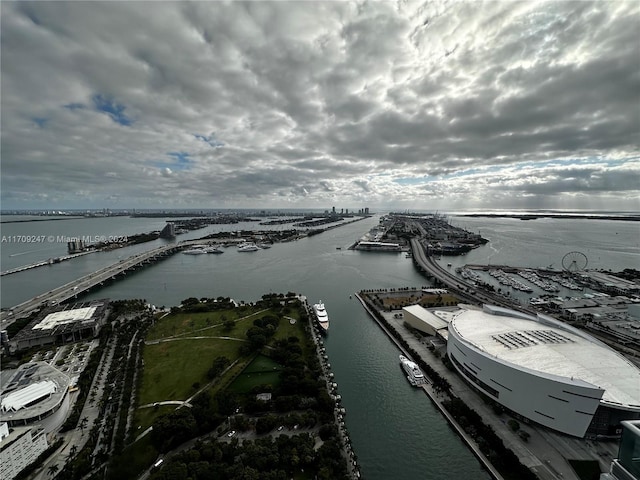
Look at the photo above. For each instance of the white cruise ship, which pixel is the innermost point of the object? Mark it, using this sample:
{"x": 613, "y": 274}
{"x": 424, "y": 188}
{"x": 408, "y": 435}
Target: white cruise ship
{"x": 414, "y": 374}
{"x": 321, "y": 315}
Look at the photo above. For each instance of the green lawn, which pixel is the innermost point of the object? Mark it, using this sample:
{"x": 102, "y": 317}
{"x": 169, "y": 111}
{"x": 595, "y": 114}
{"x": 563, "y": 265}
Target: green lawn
{"x": 262, "y": 364}
{"x": 171, "y": 368}
{"x": 261, "y": 371}
{"x": 246, "y": 381}
{"x": 144, "y": 417}
{"x": 207, "y": 323}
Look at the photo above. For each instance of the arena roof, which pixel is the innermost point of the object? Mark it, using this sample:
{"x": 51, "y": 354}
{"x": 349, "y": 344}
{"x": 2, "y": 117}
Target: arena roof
{"x": 552, "y": 350}
{"x": 65, "y": 316}
{"x": 17, "y": 400}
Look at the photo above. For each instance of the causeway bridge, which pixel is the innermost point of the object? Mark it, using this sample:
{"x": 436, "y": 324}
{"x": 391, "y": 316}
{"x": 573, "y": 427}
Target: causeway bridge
{"x": 42, "y": 263}
{"x": 83, "y": 284}
{"x": 459, "y": 286}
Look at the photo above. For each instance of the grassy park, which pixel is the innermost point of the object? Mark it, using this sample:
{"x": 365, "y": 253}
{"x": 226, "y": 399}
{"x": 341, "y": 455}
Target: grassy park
{"x": 220, "y": 357}
{"x": 173, "y": 367}
{"x": 181, "y": 347}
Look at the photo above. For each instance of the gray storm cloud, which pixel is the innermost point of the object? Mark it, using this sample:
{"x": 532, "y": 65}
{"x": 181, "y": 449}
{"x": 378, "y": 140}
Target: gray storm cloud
{"x": 306, "y": 104}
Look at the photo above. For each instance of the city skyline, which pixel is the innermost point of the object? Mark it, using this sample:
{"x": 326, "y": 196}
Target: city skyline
{"x": 277, "y": 105}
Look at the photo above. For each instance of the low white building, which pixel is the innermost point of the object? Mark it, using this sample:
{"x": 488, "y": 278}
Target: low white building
{"x": 28, "y": 396}
{"x": 426, "y": 321}
{"x": 19, "y": 447}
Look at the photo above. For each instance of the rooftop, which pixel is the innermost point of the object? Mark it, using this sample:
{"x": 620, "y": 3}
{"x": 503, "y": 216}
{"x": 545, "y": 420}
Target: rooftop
{"x": 27, "y": 395}
{"x": 65, "y": 316}
{"x": 33, "y": 390}
{"x": 426, "y": 316}
{"x": 538, "y": 344}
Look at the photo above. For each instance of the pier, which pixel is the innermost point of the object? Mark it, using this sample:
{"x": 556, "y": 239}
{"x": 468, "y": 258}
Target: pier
{"x": 83, "y": 284}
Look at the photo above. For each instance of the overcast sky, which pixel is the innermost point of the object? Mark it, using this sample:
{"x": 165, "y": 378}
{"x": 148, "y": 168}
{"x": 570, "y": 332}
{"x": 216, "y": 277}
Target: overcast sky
{"x": 439, "y": 105}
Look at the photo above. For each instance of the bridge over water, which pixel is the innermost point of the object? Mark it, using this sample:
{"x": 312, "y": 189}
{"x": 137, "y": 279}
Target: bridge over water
{"x": 83, "y": 284}
{"x": 462, "y": 288}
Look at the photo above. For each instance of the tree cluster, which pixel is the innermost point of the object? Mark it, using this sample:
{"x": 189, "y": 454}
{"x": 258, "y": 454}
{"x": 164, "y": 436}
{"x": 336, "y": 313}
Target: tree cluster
{"x": 194, "y": 305}
{"x": 219, "y": 364}
{"x": 261, "y": 459}
{"x": 258, "y": 335}
{"x": 489, "y": 443}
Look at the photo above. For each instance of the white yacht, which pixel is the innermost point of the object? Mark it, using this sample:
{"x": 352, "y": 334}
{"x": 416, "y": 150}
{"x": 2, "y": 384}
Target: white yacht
{"x": 414, "y": 374}
{"x": 196, "y": 250}
{"x": 321, "y": 315}
{"x": 248, "y": 247}
{"x": 213, "y": 249}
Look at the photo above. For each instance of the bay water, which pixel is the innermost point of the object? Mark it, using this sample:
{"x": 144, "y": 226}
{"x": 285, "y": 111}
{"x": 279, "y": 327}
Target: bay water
{"x": 395, "y": 430}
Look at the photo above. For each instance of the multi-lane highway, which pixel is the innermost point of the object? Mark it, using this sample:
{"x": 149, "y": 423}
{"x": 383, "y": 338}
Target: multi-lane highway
{"x": 463, "y": 289}
{"x": 76, "y": 287}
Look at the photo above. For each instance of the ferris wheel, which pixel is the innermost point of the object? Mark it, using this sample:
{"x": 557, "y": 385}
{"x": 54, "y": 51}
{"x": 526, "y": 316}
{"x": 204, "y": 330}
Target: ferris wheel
{"x": 574, "y": 262}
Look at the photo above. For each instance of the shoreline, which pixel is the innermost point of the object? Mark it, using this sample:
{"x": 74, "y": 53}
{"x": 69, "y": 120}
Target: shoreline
{"x": 428, "y": 390}
{"x": 544, "y": 453}
{"x": 536, "y": 216}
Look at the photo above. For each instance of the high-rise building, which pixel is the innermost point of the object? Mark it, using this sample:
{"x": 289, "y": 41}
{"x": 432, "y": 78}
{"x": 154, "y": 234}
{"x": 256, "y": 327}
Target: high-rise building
{"x": 169, "y": 231}
{"x": 19, "y": 447}
{"x": 627, "y": 465}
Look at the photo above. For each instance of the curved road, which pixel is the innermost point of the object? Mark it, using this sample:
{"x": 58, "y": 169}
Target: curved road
{"x": 457, "y": 285}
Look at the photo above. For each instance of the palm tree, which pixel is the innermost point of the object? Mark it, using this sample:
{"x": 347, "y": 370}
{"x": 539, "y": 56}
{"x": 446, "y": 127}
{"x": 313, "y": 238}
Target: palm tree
{"x": 73, "y": 450}
{"x": 83, "y": 424}
{"x": 53, "y": 469}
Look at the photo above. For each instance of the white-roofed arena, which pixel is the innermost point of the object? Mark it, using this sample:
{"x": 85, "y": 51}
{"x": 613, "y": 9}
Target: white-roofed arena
{"x": 544, "y": 370}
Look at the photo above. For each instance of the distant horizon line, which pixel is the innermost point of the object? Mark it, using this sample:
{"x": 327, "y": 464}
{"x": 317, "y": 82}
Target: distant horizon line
{"x": 503, "y": 211}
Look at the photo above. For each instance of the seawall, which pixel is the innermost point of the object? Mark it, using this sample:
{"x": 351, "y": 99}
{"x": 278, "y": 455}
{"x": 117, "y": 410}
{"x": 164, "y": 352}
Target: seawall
{"x": 429, "y": 391}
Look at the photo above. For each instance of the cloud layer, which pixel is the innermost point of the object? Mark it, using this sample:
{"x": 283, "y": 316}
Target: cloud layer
{"x": 313, "y": 104}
